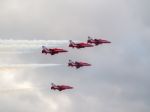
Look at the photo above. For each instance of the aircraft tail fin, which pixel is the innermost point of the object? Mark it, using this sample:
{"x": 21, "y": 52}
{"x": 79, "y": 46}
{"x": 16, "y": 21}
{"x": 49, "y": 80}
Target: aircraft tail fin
{"x": 70, "y": 61}
{"x": 53, "y": 84}
{"x": 89, "y": 38}
{"x": 44, "y": 47}
{"x": 71, "y": 42}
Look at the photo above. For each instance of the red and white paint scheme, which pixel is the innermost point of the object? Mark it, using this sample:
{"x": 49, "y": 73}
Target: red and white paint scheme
{"x": 52, "y": 51}
{"x": 77, "y": 64}
{"x": 97, "y": 41}
{"x": 60, "y": 87}
{"x": 79, "y": 45}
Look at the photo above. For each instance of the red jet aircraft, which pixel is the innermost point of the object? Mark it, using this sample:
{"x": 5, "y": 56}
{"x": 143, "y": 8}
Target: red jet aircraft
{"x": 79, "y": 45}
{"x": 97, "y": 41}
{"x": 77, "y": 64}
{"x": 60, "y": 87}
{"x": 52, "y": 51}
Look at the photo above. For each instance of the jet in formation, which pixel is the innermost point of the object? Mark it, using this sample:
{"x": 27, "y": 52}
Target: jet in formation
{"x": 97, "y": 41}
{"x": 52, "y": 51}
{"x": 60, "y": 87}
{"x": 77, "y": 64}
{"x": 79, "y": 45}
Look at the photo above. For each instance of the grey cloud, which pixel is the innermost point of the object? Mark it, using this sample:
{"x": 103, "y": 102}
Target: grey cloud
{"x": 140, "y": 10}
{"x": 117, "y": 81}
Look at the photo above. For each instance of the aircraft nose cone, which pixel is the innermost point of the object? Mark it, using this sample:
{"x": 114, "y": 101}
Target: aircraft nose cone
{"x": 89, "y": 65}
{"x": 71, "y": 87}
{"x": 108, "y": 42}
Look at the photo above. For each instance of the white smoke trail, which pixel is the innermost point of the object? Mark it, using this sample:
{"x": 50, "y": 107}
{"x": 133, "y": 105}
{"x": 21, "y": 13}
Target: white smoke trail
{"x": 30, "y": 43}
{"x": 11, "y": 41}
{"x": 17, "y": 52}
{"x": 23, "y": 89}
{"x": 16, "y": 89}
{"x": 27, "y": 65}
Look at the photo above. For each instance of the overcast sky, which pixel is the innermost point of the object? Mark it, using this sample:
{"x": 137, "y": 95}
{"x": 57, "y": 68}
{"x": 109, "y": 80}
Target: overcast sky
{"x": 117, "y": 81}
